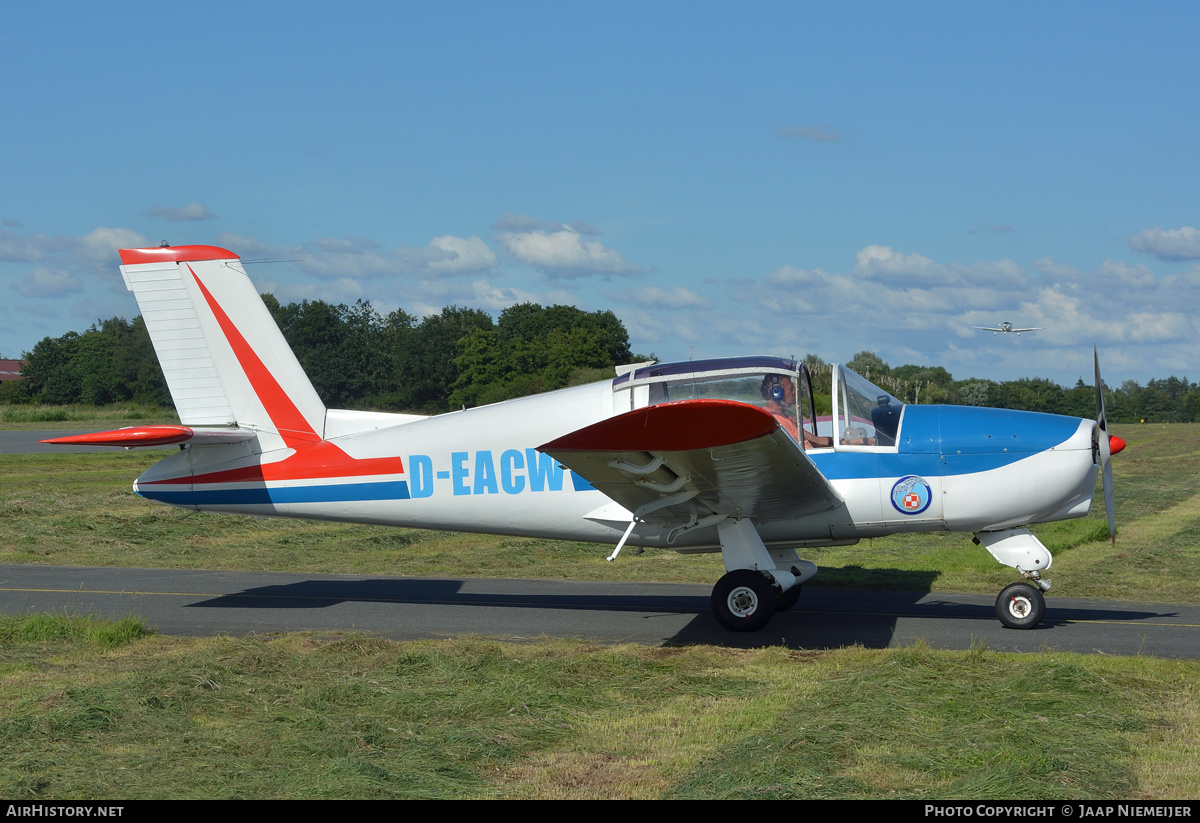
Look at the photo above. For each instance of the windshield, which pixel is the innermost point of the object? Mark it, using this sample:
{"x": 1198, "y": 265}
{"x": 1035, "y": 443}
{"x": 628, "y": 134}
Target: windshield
{"x": 867, "y": 415}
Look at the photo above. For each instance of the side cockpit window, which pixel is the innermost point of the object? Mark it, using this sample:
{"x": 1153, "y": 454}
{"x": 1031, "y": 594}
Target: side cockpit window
{"x": 866, "y": 414}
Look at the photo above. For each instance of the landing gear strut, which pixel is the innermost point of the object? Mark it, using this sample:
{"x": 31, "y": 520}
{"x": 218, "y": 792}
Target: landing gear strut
{"x": 1020, "y": 605}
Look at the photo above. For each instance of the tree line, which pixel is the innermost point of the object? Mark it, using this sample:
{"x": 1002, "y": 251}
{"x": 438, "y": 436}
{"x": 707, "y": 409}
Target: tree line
{"x": 460, "y": 357}
{"x": 355, "y": 357}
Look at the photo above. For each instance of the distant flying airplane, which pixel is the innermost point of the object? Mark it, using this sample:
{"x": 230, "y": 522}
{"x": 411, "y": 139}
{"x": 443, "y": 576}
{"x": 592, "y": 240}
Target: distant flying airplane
{"x": 706, "y": 456}
{"x": 1006, "y": 328}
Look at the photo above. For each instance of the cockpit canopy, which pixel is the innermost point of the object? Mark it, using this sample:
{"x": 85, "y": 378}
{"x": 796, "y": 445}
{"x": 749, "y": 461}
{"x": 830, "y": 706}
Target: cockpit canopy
{"x": 736, "y": 378}
{"x": 862, "y": 413}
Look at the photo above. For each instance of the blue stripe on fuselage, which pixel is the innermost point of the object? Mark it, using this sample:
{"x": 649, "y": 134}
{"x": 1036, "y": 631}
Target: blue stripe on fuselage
{"x": 263, "y": 495}
{"x": 949, "y": 440}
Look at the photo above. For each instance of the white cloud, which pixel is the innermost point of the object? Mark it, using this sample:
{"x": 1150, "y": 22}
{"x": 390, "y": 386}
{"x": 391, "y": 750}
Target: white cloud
{"x": 565, "y": 253}
{"x": 789, "y": 277}
{"x": 192, "y": 211}
{"x": 99, "y": 247}
{"x": 93, "y": 254}
{"x": 496, "y": 298}
{"x": 463, "y": 254}
{"x": 910, "y": 308}
{"x": 1120, "y": 275}
{"x": 884, "y": 263}
{"x": 363, "y": 258}
{"x": 44, "y": 282}
{"x": 20, "y": 248}
{"x": 1047, "y": 265}
{"x": 1168, "y": 244}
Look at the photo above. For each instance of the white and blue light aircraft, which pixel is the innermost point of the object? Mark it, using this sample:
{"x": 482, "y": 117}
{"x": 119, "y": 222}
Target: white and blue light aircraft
{"x": 1006, "y": 328}
{"x": 705, "y": 456}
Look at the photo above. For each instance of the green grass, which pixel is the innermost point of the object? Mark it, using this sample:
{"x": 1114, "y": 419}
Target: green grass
{"x": 323, "y": 716}
{"x": 93, "y": 710}
{"x": 78, "y": 416}
{"x": 41, "y": 628}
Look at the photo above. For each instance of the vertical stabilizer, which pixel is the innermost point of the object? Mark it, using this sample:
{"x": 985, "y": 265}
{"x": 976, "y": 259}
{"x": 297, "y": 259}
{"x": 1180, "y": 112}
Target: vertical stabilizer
{"x": 224, "y": 358}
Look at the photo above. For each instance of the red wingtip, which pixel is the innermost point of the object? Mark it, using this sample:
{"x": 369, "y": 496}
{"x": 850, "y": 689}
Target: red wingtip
{"x": 1115, "y": 444}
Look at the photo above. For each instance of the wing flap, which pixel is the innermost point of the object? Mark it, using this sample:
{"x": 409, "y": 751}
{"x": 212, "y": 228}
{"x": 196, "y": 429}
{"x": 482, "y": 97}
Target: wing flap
{"x": 686, "y": 461}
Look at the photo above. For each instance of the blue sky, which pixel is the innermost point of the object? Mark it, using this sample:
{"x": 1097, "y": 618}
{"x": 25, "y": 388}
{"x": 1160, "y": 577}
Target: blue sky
{"x": 774, "y": 178}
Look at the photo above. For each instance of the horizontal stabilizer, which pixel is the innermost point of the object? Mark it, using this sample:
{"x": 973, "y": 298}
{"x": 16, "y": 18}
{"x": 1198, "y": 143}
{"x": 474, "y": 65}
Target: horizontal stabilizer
{"x": 135, "y": 436}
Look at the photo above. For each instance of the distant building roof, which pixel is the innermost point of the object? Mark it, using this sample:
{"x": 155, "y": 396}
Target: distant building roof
{"x": 11, "y": 369}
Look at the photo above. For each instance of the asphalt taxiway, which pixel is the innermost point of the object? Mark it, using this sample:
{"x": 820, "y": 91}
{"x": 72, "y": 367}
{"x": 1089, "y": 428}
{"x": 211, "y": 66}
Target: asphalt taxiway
{"x": 203, "y": 603}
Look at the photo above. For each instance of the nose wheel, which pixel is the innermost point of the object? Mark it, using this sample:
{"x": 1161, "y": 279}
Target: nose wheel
{"x": 1020, "y": 606}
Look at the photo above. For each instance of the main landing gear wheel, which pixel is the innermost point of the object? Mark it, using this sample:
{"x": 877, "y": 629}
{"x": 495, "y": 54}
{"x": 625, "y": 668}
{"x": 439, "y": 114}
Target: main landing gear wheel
{"x": 788, "y": 599}
{"x": 1020, "y": 606}
{"x": 743, "y": 601}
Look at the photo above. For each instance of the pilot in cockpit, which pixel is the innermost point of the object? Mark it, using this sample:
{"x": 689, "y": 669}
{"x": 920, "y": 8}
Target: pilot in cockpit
{"x": 780, "y": 393}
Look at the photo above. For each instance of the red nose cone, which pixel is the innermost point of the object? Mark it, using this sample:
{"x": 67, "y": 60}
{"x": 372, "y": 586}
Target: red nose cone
{"x": 1115, "y": 444}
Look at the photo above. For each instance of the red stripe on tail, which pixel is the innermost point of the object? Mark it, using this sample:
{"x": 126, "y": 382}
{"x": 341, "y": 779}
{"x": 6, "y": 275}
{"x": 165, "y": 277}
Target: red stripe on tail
{"x": 291, "y": 424}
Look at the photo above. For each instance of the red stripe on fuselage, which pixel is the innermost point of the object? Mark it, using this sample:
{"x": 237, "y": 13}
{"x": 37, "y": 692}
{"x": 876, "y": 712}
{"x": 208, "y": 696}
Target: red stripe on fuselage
{"x": 292, "y": 425}
{"x": 316, "y": 462}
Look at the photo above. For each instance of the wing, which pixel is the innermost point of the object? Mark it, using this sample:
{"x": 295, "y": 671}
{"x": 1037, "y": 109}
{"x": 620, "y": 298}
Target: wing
{"x": 687, "y": 461}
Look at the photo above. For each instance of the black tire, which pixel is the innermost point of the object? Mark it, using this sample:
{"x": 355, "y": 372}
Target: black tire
{"x": 788, "y": 599}
{"x": 1020, "y": 606}
{"x": 743, "y": 601}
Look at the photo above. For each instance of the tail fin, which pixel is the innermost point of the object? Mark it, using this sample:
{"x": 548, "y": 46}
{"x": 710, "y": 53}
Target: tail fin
{"x": 224, "y": 358}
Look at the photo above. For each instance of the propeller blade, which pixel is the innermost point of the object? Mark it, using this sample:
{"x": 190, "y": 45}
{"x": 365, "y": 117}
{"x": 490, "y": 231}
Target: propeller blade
{"x": 1102, "y": 440}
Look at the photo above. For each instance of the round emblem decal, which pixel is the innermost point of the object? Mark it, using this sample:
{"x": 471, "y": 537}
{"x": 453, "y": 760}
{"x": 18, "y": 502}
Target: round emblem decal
{"x": 911, "y": 495}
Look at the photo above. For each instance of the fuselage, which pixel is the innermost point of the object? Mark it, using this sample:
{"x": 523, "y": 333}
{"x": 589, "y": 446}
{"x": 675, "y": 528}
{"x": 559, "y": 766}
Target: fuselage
{"x": 952, "y": 468}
